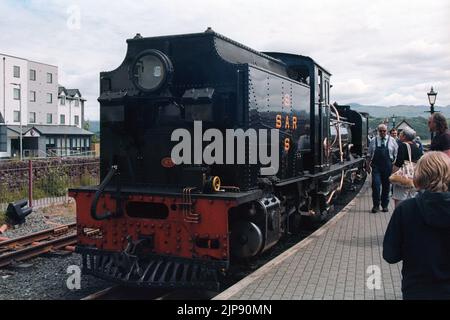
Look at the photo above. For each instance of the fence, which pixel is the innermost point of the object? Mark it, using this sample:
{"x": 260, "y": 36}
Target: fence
{"x": 45, "y": 181}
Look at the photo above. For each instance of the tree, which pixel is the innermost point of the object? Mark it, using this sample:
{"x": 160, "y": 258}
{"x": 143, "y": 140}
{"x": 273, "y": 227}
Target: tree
{"x": 86, "y": 125}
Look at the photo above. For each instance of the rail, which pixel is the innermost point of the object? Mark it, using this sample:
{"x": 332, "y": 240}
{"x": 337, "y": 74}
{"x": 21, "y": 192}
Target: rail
{"x": 32, "y": 245}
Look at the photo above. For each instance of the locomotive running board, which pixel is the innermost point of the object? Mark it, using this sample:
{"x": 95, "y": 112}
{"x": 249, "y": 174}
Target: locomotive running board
{"x": 153, "y": 271}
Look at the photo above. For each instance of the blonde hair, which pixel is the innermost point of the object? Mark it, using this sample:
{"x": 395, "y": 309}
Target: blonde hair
{"x": 433, "y": 172}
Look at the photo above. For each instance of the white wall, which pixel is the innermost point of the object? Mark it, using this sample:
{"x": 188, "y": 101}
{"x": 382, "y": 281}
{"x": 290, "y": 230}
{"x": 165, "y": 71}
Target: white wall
{"x": 41, "y": 87}
{"x": 76, "y": 111}
{"x": 70, "y": 111}
{"x": 63, "y": 109}
{"x": 6, "y": 78}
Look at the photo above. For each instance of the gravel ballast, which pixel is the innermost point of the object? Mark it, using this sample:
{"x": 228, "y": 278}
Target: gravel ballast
{"x": 45, "y": 277}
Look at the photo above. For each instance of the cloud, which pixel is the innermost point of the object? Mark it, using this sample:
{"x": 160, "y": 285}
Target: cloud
{"x": 352, "y": 88}
{"x": 399, "y": 99}
{"x": 376, "y": 50}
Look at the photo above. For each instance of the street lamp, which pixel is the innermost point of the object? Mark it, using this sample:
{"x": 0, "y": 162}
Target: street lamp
{"x": 432, "y": 99}
{"x": 20, "y": 115}
{"x": 393, "y": 121}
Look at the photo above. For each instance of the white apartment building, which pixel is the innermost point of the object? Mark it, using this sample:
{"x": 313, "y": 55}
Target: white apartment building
{"x": 70, "y": 107}
{"x": 50, "y": 116}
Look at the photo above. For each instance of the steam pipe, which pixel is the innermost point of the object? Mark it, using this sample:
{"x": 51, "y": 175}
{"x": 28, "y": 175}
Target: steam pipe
{"x": 338, "y": 132}
{"x": 112, "y": 172}
{"x": 338, "y": 128}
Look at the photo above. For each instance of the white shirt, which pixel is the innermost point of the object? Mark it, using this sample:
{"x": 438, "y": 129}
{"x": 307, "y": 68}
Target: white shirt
{"x": 391, "y": 144}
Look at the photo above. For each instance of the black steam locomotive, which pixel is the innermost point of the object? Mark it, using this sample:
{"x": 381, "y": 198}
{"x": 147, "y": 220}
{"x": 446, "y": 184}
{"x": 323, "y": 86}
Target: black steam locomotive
{"x": 156, "y": 222}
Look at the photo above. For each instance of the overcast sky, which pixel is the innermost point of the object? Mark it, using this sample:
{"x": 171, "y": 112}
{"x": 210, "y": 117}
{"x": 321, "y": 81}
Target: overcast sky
{"x": 381, "y": 52}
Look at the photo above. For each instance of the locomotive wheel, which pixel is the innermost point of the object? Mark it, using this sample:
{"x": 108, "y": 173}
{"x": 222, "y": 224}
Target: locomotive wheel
{"x": 246, "y": 239}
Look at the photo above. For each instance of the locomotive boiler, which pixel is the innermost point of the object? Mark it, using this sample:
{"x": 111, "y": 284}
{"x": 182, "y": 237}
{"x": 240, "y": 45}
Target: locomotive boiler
{"x": 153, "y": 221}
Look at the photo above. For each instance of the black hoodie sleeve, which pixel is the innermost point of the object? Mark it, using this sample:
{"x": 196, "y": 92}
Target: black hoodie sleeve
{"x": 392, "y": 244}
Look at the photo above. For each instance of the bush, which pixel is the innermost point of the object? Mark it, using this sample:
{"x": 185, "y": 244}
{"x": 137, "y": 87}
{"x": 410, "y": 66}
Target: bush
{"x": 2, "y": 218}
{"x": 54, "y": 183}
{"x": 7, "y": 195}
{"x": 87, "y": 179}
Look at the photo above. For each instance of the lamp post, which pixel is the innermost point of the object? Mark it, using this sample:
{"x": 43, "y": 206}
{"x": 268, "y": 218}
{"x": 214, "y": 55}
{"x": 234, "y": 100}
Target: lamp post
{"x": 393, "y": 121}
{"x": 20, "y": 115}
{"x": 432, "y": 100}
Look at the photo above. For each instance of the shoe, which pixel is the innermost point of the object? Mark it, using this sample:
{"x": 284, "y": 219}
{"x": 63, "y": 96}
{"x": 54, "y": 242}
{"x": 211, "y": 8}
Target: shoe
{"x": 375, "y": 209}
{"x": 385, "y": 210}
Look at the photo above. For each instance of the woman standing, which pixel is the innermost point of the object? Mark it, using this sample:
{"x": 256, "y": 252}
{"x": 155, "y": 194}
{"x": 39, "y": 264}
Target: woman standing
{"x": 419, "y": 232}
{"x": 407, "y": 148}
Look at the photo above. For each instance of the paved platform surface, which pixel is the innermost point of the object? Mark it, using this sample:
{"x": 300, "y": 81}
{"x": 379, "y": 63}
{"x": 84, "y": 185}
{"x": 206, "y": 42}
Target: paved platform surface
{"x": 331, "y": 264}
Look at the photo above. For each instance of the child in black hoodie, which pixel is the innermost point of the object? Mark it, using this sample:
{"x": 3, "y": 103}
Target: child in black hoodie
{"x": 419, "y": 232}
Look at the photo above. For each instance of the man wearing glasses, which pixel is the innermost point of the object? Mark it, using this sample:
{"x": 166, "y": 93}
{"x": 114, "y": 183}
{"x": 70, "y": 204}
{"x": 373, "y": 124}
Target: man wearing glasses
{"x": 381, "y": 155}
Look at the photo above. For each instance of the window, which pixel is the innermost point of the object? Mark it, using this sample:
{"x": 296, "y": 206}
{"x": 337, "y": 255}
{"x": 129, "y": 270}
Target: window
{"x": 32, "y": 96}
{"x": 16, "y": 72}
{"x": 32, "y": 75}
{"x": 49, "y": 78}
{"x": 77, "y": 120}
{"x": 16, "y": 94}
{"x": 32, "y": 118}
{"x": 62, "y": 119}
{"x": 49, "y": 118}
{"x": 49, "y": 98}
{"x": 63, "y": 101}
{"x": 77, "y": 102}
{"x": 16, "y": 116}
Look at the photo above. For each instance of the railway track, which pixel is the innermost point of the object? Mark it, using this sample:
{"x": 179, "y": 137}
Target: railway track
{"x": 35, "y": 244}
{"x": 131, "y": 293}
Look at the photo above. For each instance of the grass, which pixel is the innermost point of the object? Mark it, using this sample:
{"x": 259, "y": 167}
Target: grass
{"x": 7, "y": 196}
{"x": 2, "y": 218}
{"x": 53, "y": 184}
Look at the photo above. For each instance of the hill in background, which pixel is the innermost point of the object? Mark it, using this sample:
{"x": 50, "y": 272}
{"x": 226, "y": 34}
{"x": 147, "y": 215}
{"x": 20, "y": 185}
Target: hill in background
{"x": 419, "y": 124}
{"x": 399, "y": 111}
{"x": 94, "y": 126}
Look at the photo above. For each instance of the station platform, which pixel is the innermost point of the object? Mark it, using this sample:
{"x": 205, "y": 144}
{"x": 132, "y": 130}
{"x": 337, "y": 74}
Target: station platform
{"x": 340, "y": 261}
